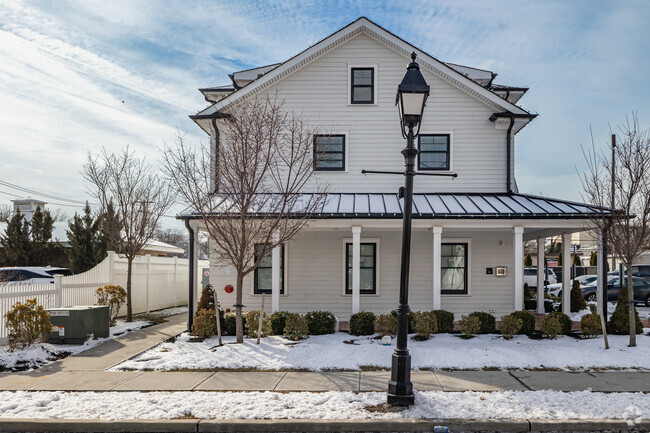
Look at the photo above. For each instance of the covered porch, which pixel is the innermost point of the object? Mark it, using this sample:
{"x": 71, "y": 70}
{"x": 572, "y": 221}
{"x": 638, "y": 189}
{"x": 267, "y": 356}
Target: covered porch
{"x": 464, "y": 259}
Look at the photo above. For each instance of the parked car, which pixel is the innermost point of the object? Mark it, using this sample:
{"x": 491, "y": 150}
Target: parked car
{"x": 641, "y": 290}
{"x": 584, "y": 280}
{"x": 30, "y": 275}
{"x": 642, "y": 271}
{"x": 530, "y": 277}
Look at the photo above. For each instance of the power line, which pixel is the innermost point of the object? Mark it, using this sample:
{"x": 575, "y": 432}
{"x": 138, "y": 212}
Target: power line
{"x": 42, "y": 194}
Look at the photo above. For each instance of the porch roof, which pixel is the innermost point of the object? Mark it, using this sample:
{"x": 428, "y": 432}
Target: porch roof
{"x": 443, "y": 206}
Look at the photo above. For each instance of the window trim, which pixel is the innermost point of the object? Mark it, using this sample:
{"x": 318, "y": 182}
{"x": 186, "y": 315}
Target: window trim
{"x": 283, "y": 270}
{"x": 449, "y": 152}
{"x": 345, "y": 152}
{"x": 374, "y": 85}
{"x": 344, "y": 286}
{"x": 468, "y": 267}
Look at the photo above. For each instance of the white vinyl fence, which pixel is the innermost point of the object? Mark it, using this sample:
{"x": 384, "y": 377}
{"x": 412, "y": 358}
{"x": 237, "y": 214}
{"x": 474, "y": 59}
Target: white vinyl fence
{"x": 157, "y": 283}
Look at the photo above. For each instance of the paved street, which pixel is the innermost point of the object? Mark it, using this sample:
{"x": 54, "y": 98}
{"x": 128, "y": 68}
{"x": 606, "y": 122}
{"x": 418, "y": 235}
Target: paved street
{"x": 87, "y": 372}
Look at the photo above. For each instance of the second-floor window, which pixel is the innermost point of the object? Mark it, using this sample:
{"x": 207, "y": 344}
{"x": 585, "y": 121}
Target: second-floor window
{"x": 434, "y": 152}
{"x": 362, "y": 86}
{"x": 329, "y": 152}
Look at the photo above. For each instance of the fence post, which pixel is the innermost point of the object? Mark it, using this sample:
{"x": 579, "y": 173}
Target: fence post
{"x": 111, "y": 267}
{"x": 174, "y": 285}
{"x": 148, "y": 259}
{"x": 58, "y": 287}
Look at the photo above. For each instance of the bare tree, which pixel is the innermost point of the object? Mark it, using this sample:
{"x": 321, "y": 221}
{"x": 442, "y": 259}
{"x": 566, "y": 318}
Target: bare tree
{"x": 6, "y": 212}
{"x": 625, "y": 187}
{"x": 174, "y": 237}
{"x": 139, "y": 198}
{"x": 250, "y": 196}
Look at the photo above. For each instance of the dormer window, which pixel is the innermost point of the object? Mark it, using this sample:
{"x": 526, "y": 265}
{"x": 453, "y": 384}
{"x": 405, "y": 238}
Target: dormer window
{"x": 362, "y": 85}
{"x": 329, "y": 152}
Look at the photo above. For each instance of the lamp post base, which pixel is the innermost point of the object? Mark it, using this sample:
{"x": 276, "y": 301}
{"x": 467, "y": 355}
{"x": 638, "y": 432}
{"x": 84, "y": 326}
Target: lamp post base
{"x": 400, "y": 388}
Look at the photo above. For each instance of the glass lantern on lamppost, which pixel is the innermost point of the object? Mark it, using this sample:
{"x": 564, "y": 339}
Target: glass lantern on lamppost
{"x": 412, "y": 94}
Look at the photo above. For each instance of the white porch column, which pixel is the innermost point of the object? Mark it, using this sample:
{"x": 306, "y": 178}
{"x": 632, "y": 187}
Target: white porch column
{"x": 600, "y": 273}
{"x": 541, "y": 275}
{"x": 437, "y": 263}
{"x": 566, "y": 273}
{"x": 518, "y": 251}
{"x": 356, "y": 272}
{"x": 197, "y": 272}
{"x": 276, "y": 260}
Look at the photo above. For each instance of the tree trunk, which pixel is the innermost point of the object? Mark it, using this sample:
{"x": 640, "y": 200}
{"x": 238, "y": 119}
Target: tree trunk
{"x": 129, "y": 305}
{"x": 630, "y": 306}
{"x": 238, "y": 309}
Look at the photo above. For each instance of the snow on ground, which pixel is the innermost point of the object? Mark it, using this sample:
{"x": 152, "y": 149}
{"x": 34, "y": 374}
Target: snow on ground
{"x": 327, "y": 405}
{"x": 342, "y": 351}
{"x": 40, "y": 354}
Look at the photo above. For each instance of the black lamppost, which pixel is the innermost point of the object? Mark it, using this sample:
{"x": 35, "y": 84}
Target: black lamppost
{"x": 411, "y": 98}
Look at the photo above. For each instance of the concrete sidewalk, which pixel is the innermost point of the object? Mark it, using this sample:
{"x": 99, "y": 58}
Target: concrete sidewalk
{"x": 437, "y": 380}
{"x": 86, "y": 372}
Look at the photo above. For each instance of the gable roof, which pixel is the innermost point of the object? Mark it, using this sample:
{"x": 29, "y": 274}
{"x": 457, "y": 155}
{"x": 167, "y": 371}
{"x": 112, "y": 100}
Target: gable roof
{"x": 365, "y": 26}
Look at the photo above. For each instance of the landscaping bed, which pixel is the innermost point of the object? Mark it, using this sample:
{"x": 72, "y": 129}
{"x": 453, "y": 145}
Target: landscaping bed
{"x": 342, "y": 351}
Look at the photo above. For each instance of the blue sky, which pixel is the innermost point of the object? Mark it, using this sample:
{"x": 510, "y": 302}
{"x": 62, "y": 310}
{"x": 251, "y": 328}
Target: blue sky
{"x": 79, "y": 76}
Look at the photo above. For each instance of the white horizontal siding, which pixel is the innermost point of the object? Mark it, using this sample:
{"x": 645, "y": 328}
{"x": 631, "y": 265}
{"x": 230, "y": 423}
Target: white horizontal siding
{"x": 320, "y": 92}
{"x": 315, "y": 276}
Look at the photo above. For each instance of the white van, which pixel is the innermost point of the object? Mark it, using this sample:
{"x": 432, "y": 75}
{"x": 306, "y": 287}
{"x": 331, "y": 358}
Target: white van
{"x": 530, "y": 277}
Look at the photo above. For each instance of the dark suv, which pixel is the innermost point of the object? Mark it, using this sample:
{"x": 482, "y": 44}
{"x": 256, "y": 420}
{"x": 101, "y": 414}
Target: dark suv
{"x": 641, "y": 288}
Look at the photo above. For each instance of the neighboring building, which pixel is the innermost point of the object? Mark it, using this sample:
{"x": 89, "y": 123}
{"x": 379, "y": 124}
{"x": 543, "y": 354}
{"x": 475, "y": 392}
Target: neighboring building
{"x": 468, "y": 232}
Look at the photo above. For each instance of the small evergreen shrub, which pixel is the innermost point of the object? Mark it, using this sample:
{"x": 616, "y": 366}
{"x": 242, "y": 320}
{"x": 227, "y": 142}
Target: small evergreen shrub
{"x": 362, "y": 323}
{"x": 386, "y": 324}
{"x": 230, "y": 324}
{"x": 321, "y": 322}
{"x": 487, "y": 322}
{"x": 114, "y": 297}
{"x": 296, "y": 327}
{"x": 510, "y": 326}
{"x": 530, "y": 304}
{"x": 527, "y": 322}
{"x": 206, "y": 301}
{"x": 469, "y": 325}
{"x": 27, "y": 324}
{"x": 620, "y": 320}
{"x": 445, "y": 320}
{"x": 205, "y": 323}
{"x": 278, "y": 322}
{"x": 591, "y": 326}
{"x": 565, "y": 322}
{"x": 551, "y": 326}
{"x": 578, "y": 303}
{"x": 549, "y": 307}
{"x": 426, "y": 324}
{"x": 411, "y": 327}
{"x": 252, "y": 324}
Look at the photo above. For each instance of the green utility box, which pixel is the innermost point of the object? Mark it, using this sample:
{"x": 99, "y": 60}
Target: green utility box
{"x": 74, "y": 325}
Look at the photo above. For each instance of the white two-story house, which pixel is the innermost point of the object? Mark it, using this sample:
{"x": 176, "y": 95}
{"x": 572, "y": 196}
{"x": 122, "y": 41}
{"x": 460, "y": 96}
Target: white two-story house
{"x": 468, "y": 232}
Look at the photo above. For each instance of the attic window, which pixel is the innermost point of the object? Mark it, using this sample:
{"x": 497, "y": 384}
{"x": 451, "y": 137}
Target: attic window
{"x": 362, "y": 86}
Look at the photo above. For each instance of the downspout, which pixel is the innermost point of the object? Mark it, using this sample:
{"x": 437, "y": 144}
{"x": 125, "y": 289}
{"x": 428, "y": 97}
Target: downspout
{"x": 192, "y": 277}
{"x": 508, "y": 155}
{"x": 216, "y": 153}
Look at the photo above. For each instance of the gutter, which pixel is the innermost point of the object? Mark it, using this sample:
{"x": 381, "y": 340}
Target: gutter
{"x": 512, "y": 117}
{"x": 192, "y": 276}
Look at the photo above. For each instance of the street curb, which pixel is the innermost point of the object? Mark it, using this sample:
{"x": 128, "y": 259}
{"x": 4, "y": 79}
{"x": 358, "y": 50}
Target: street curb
{"x": 402, "y": 425}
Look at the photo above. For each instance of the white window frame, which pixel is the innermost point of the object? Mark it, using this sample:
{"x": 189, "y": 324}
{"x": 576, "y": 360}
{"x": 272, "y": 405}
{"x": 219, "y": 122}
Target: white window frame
{"x": 374, "y": 90}
{"x": 346, "y": 134}
{"x": 451, "y": 150}
{"x": 376, "y": 241}
{"x": 285, "y": 272}
{"x": 467, "y": 241}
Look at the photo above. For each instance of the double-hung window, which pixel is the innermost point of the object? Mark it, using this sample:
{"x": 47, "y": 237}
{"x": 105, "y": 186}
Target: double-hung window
{"x": 454, "y": 268}
{"x": 263, "y": 273}
{"x": 329, "y": 152}
{"x": 434, "y": 152}
{"x": 362, "y": 86}
{"x": 367, "y": 268}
